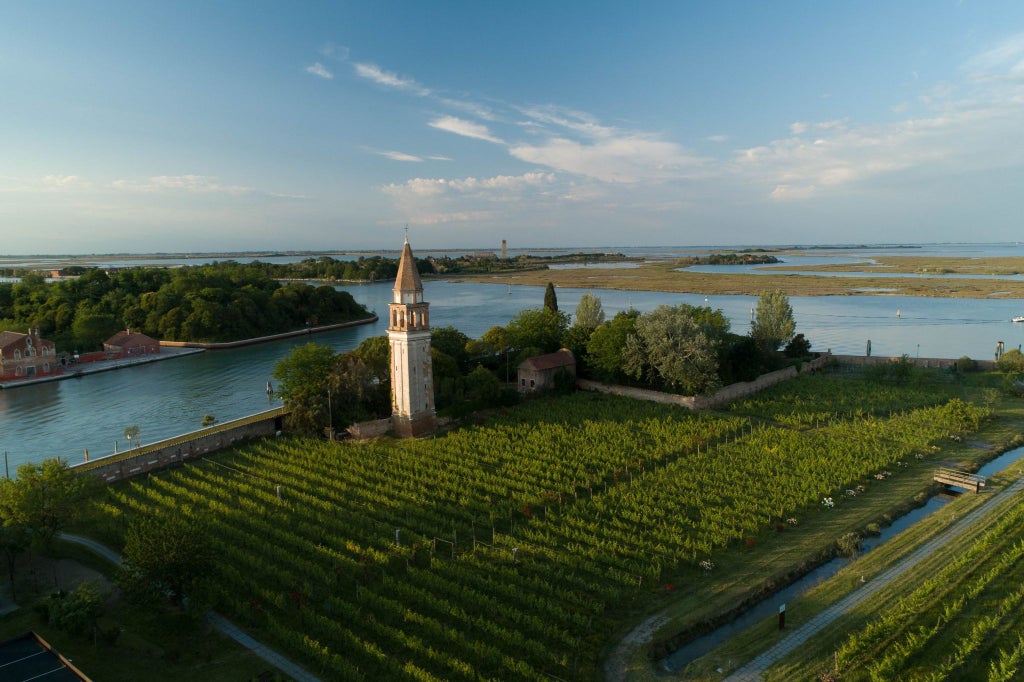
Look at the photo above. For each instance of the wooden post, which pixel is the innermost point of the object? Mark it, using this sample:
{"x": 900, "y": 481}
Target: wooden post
{"x": 782, "y": 617}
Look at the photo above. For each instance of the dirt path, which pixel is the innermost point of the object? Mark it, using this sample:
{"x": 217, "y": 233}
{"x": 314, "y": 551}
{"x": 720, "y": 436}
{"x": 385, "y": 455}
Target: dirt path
{"x": 616, "y": 667}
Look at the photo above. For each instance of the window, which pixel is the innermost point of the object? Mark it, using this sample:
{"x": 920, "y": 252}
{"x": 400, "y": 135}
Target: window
{"x": 17, "y": 354}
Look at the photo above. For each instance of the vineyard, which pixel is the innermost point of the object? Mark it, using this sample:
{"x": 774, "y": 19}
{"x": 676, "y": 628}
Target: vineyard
{"x": 960, "y": 620}
{"x": 505, "y": 550}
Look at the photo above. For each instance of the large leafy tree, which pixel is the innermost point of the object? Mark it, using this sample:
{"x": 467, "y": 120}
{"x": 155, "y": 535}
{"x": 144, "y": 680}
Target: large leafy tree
{"x": 304, "y": 378}
{"x": 166, "y": 556}
{"x": 537, "y": 328}
{"x": 608, "y": 342}
{"x": 677, "y": 346}
{"x": 45, "y": 498}
{"x": 589, "y": 313}
{"x": 774, "y": 324}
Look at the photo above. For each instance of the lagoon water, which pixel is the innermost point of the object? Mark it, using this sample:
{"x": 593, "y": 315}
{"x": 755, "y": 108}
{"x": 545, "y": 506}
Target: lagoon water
{"x": 167, "y": 398}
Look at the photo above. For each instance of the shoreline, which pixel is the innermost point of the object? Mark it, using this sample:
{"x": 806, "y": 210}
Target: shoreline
{"x": 169, "y": 351}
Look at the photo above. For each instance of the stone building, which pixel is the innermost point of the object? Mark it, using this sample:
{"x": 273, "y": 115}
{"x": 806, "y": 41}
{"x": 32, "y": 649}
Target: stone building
{"x": 412, "y": 378}
{"x": 538, "y": 373}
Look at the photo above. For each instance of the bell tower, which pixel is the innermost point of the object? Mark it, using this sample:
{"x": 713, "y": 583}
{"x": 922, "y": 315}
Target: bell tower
{"x": 412, "y": 377}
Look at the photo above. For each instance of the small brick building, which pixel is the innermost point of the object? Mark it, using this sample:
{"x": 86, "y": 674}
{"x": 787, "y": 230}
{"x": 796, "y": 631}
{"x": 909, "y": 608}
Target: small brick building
{"x": 538, "y": 373}
{"x": 128, "y": 344}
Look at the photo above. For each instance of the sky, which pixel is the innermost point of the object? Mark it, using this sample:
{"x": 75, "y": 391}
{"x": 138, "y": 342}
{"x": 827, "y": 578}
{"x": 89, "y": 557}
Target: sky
{"x": 137, "y": 127}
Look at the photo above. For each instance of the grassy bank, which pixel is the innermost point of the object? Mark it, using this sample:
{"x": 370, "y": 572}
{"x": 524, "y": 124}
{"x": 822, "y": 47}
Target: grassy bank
{"x": 664, "y": 276}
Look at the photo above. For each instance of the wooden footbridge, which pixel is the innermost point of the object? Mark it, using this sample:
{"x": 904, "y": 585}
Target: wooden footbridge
{"x": 960, "y": 479}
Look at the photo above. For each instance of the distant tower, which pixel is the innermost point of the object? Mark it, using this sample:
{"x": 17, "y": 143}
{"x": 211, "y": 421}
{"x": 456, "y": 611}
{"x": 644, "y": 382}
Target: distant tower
{"x": 504, "y": 250}
{"x": 412, "y": 377}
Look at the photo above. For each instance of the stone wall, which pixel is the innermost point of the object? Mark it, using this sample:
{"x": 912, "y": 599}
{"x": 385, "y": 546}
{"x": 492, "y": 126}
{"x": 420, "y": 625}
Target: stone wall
{"x": 370, "y": 429}
{"x": 918, "y": 362}
{"x": 174, "y": 451}
{"x": 723, "y": 396}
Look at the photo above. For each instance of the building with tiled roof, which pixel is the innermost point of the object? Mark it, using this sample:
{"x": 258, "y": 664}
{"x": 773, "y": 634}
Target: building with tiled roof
{"x": 23, "y": 356}
{"x": 128, "y": 343}
{"x": 538, "y": 373}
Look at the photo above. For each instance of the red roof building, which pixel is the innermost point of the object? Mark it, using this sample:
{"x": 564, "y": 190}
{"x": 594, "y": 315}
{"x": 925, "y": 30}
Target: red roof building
{"x": 23, "y": 356}
{"x": 129, "y": 343}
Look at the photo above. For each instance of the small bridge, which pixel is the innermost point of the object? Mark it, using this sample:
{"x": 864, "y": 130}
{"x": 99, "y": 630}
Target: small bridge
{"x": 960, "y": 479}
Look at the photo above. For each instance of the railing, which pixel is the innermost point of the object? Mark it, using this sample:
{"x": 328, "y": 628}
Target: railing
{"x": 960, "y": 479}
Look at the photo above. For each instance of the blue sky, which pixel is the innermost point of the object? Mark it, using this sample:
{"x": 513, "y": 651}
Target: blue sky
{"x": 180, "y": 126}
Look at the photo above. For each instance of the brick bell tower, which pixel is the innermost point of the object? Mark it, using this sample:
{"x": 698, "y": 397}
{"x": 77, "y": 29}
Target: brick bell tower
{"x": 412, "y": 377}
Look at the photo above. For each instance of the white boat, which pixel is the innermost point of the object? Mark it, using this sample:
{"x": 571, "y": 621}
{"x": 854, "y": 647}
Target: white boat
{"x": 1019, "y": 318}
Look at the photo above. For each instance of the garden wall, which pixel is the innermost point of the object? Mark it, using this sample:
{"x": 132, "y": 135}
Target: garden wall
{"x": 174, "y": 451}
{"x": 723, "y": 396}
{"x": 917, "y": 362}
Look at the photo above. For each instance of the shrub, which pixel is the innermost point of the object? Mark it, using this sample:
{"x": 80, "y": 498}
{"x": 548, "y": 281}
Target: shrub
{"x": 965, "y": 364}
{"x": 1011, "y": 362}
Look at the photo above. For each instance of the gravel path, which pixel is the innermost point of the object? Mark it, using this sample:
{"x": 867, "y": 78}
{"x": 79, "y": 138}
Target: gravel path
{"x": 756, "y": 668}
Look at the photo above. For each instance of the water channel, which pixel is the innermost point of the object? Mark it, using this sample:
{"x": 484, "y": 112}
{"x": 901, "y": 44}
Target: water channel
{"x": 167, "y": 398}
{"x": 769, "y": 606}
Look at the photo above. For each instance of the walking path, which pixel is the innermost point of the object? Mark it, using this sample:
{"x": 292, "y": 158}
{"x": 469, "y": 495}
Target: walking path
{"x": 218, "y": 621}
{"x": 754, "y": 669}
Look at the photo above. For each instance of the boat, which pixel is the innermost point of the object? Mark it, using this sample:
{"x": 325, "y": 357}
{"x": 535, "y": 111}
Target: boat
{"x": 1019, "y": 318}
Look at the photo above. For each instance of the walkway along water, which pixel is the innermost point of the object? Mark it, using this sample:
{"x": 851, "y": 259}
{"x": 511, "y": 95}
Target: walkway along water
{"x": 755, "y": 668}
{"x": 218, "y": 621}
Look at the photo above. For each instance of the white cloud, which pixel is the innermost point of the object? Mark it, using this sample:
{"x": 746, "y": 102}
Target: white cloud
{"x": 1005, "y": 57}
{"x": 626, "y": 158}
{"x": 60, "y": 181}
{"x": 494, "y": 186}
{"x": 320, "y": 70}
{"x": 454, "y": 217}
{"x": 568, "y": 119}
{"x": 464, "y": 128}
{"x": 388, "y": 79}
{"x": 399, "y": 156}
{"x": 717, "y": 138}
{"x": 440, "y": 158}
{"x": 201, "y": 184}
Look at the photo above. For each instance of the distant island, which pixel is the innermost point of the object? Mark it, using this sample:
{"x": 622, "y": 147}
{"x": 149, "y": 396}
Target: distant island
{"x": 753, "y": 257}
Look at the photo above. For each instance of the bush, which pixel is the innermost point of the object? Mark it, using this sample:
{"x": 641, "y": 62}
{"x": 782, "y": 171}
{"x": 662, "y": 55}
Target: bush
{"x": 76, "y": 611}
{"x": 965, "y": 364}
{"x": 1011, "y": 362}
{"x": 798, "y": 347}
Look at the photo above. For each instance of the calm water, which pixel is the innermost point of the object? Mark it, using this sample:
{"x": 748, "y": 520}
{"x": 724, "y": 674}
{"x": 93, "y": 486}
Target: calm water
{"x": 167, "y": 398}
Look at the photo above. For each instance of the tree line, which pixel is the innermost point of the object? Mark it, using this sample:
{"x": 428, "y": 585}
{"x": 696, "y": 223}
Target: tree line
{"x": 223, "y": 301}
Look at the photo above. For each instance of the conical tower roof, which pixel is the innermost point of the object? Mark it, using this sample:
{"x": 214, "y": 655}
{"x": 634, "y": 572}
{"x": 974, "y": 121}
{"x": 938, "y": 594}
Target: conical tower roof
{"x": 408, "y": 276}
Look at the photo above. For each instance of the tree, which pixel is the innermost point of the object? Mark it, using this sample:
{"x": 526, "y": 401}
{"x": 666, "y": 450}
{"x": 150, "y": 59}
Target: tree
{"x": 483, "y": 385}
{"x": 166, "y": 556}
{"x": 1011, "y": 362}
{"x": 607, "y": 343}
{"x": 798, "y": 347}
{"x": 774, "y": 322}
{"x": 589, "y": 313}
{"x": 540, "y": 328}
{"x": 451, "y": 342}
{"x": 132, "y": 433}
{"x": 303, "y": 381}
{"x": 45, "y": 498}
{"x": 678, "y": 346}
{"x": 550, "y": 298}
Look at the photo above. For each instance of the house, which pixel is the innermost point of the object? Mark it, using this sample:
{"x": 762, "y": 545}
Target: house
{"x": 27, "y": 355}
{"x": 128, "y": 343}
{"x": 538, "y": 373}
